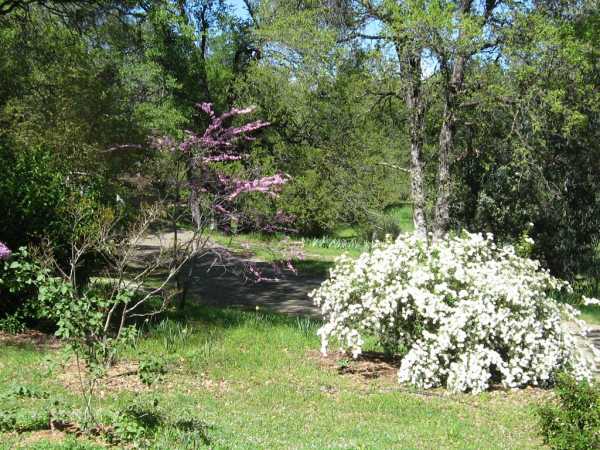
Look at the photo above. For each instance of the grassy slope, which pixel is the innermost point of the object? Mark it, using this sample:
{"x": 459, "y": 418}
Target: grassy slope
{"x": 252, "y": 380}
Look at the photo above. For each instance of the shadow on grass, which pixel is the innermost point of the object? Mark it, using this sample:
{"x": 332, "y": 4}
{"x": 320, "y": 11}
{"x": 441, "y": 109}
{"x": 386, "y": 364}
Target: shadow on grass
{"x": 313, "y": 267}
{"x": 227, "y": 318}
{"x": 195, "y": 426}
{"x": 151, "y": 421}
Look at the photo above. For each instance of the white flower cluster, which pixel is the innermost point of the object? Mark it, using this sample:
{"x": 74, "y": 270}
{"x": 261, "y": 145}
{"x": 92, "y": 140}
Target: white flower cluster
{"x": 462, "y": 312}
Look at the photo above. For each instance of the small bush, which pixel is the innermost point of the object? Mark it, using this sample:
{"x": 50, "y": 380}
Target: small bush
{"x": 20, "y": 277}
{"x": 572, "y": 422}
{"x": 151, "y": 370}
{"x": 462, "y": 312}
{"x": 136, "y": 423}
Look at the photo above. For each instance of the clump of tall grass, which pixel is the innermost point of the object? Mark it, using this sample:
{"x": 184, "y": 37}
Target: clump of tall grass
{"x": 334, "y": 243}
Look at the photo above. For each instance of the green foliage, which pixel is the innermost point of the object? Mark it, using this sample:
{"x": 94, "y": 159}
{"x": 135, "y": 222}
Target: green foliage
{"x": 537, "y": 160}
{"x": 151, "y": 370}
{"x": 330, "y": 143}
{"x": 12, "y": 324}
{"x": 23, "y": 391}
{"x": 17, "y": 420}
{"x": 20, "y": 278}
{"x": 525, "y": 245}
{"x": 34, "y": 191}
{"x": 572, "y": 422}
{"x": 172, "y": 333}
{"x": 135, "y": 423}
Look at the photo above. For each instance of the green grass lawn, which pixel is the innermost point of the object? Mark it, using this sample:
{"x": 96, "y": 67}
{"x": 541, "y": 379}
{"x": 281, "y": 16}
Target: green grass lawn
{"x": 318, "y": 253}
{"x": 591, "y": 314}
{"x": 402, "y": 214}
{"x": 251, "y": 380}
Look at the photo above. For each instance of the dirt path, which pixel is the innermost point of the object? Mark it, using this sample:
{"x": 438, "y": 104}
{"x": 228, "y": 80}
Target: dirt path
{"x": 218, "y": 280}
{"x": 226, "y": 287}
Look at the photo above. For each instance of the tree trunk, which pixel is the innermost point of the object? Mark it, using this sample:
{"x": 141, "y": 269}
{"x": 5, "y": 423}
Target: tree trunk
{"x": 194, "y": 204}
{"x": 442, "y": 205}
{"x": 446, "y": 137}
{"x": 446, "y": 147}
{"x": 415, "y": 107}
{"x": 410, "y": 59}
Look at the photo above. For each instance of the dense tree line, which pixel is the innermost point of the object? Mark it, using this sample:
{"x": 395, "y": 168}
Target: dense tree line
{"x": 483, "y": 114}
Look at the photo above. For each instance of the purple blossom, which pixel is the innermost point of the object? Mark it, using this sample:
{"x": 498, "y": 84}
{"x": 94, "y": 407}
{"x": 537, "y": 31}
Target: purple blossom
{"x": 216, "y": 136}
{"x": 222, "y": 157}
{"x": 219, "y": 143}
{"x": 266, "y": 185}
{"x": 4, "y": 251}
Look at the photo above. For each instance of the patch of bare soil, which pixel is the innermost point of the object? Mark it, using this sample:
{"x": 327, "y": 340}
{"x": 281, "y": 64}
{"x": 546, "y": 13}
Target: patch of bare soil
{"x": 123, "y": 376}
{"x": 31, "y": 438}
{"x": 58, "y": 431}
{"x": 374, "y": 369}
{"x": 33, "y": 338}
{"x": 368, "y": 366}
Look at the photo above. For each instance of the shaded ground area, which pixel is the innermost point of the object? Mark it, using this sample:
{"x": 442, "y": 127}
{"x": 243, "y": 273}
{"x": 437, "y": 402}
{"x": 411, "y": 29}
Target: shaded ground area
{"x": 30, "y": 338}
{"x": 223, "y": 278}
{"x": 227, "y": 287}
{"x": 594, "y": 337}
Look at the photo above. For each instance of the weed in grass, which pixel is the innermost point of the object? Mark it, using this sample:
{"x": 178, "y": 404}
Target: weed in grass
{"x": 307, "y": 326}
{"x": 136, "y": 422}
{"x": 173, "y": 334}
{"x": 19, "y": 420}
{"x": 21, "y": 391}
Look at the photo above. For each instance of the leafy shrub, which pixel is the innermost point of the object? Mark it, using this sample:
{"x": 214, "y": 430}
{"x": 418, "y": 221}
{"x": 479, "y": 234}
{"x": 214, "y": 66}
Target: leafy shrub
{"x": 151, "y": 370}
{"x": 32, "y": 194}
{"x": 573, "y": 422}
{"x": 136, "y": 422}
{"x": 12, "y": 324}
{"x": 20, "y": 276}
{"x": 38, "y": 197}
{"x": 461, "y": 311}
{"x": 20, "y": 420}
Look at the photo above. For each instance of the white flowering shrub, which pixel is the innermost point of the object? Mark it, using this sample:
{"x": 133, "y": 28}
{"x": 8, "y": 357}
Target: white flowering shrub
{"x": 462, "y": 313}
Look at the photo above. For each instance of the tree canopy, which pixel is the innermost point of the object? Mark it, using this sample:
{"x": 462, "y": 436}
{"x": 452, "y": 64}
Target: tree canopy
{"x": 481, "y": 115}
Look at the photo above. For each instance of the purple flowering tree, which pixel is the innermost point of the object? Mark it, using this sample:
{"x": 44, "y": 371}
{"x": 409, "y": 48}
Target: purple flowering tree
{"x": 213, "y": 191}
{"x": 205, "y": 155}
{"x": 4, "y": 251}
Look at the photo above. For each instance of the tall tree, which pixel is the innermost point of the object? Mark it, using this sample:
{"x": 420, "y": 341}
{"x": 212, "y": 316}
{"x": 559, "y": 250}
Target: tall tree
{"x": 435, "y": 43}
